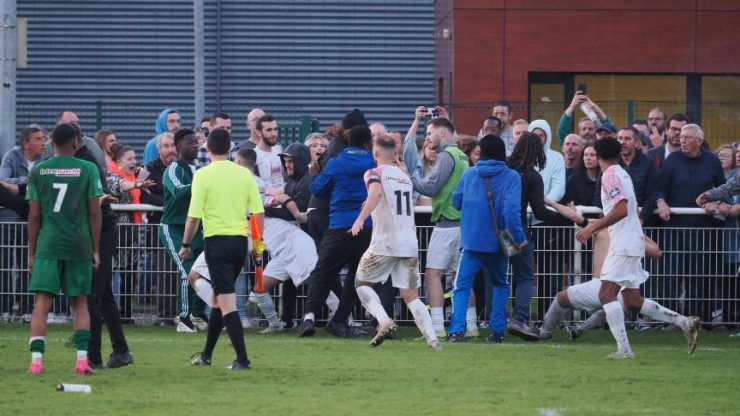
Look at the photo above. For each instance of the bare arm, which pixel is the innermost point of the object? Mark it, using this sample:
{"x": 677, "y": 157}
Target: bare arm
{"x": 374, "y": 195}
{"x": 94, "y": 219}
{"x": 34, "y": 223}
{"x": 615, "y": 215}
{"x": 565, "y": 211}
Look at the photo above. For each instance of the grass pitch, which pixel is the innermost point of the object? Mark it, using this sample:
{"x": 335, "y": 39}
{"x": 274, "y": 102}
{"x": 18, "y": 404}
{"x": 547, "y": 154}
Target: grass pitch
{"x": 327, "y": 376}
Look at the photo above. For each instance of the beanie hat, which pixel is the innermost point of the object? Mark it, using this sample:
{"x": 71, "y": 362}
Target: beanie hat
{"x": 492, "y": 147}
{"x": 354, "y": 118}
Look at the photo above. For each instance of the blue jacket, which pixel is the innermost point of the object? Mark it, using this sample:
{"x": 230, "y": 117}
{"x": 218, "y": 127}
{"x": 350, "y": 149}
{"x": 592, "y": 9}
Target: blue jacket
{"x": 343, "y": 178}
{"x": 476, "y": 226}
{"x": 160, "y": 126}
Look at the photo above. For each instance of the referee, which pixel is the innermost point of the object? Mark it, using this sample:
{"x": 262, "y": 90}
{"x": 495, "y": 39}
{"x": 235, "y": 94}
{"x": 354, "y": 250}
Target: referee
{"x": 222, "y": 193}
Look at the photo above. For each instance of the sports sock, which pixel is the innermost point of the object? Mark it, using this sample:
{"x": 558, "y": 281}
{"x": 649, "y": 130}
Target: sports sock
{"x": 267, "y": 306}
{"x": 422, "y": 318}
{"x": 438, "y": 319}
{"x": 204, "y": 290}
{"x": 654, "y": 310}
{"x": 332, "y": 301}
{"x": 555, "y": 314}
{"x": 615, "y": 318}
{"x": 597, "y": 318}
{"x": 236, "y": 334}
{"x": 371, "y": 302}
{"x": 37, "y": 346}
{"x": 471, "y": 319}
{"x": 215, "y": 325}
{"x": 81, "y": 339}
{"x": 310, "y": 317}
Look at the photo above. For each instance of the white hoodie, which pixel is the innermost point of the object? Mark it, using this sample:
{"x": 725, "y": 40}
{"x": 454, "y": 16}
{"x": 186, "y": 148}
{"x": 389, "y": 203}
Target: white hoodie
{"x": 553, "y": 174}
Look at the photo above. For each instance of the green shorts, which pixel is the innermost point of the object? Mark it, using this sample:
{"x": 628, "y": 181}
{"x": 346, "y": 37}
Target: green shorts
{"x": 50, "y": 275}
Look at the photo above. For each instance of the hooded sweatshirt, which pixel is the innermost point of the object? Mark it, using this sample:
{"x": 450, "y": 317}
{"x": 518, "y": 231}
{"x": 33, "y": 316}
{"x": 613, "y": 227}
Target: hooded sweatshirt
{"x": 553, "y": 174}
{"x": 297, "y": 186}
{"x": 160, "y": 126}
{"x": 476, "y": 223}
{"x": 343, "y": 178}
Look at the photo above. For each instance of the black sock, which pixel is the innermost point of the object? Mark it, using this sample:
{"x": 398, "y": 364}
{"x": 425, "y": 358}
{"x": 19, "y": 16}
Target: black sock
{"x": 215, "y": 325}
{"x": 236, "y": 333}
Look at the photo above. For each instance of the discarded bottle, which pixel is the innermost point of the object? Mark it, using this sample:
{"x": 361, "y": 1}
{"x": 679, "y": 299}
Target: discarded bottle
{"x": 74, "y": 388}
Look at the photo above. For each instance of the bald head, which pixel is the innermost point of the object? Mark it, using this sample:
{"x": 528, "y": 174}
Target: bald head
{"x": 377, "y": 129}
{"x": 67, "y": 117}
{"x": 252, "y": 118}
{"x": 572, "y": 148}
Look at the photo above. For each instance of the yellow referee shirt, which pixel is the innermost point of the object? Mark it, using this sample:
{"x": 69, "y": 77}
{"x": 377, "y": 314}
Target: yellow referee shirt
{"x": 221, "y": 194}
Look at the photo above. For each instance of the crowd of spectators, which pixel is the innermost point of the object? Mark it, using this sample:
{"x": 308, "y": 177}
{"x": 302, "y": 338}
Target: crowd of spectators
{"x": 666, "y": 156}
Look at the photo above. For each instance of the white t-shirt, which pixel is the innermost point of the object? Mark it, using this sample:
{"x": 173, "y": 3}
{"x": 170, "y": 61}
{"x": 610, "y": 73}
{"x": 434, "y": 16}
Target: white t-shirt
{"x": 270, "y": 168}
{"x": 626, "y": 236}
{"x": 394, "y": 230}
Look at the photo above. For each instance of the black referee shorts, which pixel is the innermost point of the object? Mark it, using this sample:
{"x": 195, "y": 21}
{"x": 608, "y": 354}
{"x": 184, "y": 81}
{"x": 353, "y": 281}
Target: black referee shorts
{"x": 225, "y": 256}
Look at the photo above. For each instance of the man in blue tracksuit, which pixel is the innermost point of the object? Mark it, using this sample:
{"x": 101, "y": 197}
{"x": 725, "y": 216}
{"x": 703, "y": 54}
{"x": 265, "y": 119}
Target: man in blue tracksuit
{"x": 480, "y": 248}
{"x": 343, "y": 180}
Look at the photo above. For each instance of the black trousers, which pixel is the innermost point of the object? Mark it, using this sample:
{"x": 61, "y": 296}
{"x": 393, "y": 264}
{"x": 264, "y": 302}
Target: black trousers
{"x": 101, "y": 304}
{"x": 338, "y": 248}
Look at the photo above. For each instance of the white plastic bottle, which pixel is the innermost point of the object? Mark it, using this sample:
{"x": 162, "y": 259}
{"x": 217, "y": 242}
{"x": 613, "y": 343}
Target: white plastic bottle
{"x": 74, "y": 388}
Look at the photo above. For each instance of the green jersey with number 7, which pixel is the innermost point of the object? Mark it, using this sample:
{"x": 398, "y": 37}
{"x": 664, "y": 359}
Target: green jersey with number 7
{"x": 62, "y": 185}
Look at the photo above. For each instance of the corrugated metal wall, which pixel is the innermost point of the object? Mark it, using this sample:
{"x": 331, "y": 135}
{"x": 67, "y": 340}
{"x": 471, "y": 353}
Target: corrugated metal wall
{"x": 321, "y": 58}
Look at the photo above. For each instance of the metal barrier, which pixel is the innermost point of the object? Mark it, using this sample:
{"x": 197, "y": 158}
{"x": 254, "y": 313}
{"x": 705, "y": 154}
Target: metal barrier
{"x": 697, "y": 274}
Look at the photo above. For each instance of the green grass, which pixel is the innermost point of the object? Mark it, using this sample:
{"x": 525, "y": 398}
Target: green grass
{"x": 327, "y": 376}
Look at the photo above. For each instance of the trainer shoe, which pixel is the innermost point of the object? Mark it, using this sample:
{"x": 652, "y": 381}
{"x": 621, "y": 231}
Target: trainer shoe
{"x": 434, "y": 344}
{"x": 621, "y": 355}
{"x": 97, "y": 365}
{"x": 185, "y": 325}
{"x": 573, "y": 332}
{"x": 495, "y": 338}
{"x": 383, "y": 329}
{"x": 236, "y": 365}
{"x": 544, "y": 336}
{"x": 278, "y": 327}
{"x": 692, "y": 333}
{"x": 307, "y": 328}
{"x": 199, "y": 322}
{"x": 245, "y": 323}
{"x": 457, "y": 337}
{"x": 198, "y": 359}
{"x": 36, "y": 367}
{"x": 522, "y": 330}
{"x": 338, "y": 329}
{"x": 116, "y": 360}
{"x": 83, "y": 367}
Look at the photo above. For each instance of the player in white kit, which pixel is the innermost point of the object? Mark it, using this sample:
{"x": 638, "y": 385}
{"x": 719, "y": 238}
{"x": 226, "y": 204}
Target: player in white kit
{"x": 393, "y": 249}
{"x": 622, "y": 270}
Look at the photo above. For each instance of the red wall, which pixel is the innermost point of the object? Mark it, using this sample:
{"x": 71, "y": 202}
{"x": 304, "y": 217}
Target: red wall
{"x": 496, "y": 43}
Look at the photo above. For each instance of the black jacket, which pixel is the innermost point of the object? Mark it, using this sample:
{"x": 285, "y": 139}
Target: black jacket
{"x": 108, "y": 216}
{"x": 644, "y": 177}
{"x": 155, "y": 196}
{"x": 297, "y": 185}
{"x": 533, "y": 194}
{"x": 579, "y": 189}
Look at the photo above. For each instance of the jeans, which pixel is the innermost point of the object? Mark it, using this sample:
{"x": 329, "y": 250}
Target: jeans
{"x": 522, "y": 267}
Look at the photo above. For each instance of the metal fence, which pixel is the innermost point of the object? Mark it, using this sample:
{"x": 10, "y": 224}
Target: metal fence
{"x": 696, "y": 275}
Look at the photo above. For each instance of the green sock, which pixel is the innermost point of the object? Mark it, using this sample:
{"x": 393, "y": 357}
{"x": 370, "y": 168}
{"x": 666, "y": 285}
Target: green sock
{"x": 38, "y": 344}
{"x": 81, "y": 339}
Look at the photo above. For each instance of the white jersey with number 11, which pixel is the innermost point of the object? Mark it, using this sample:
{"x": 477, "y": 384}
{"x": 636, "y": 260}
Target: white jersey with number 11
{"x": 394, "y": 230}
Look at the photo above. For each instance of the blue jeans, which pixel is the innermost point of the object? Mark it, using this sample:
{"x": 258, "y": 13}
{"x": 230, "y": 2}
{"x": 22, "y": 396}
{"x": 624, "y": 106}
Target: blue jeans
{"x": 522, "y": 267}
{"x": 470, "y": 262}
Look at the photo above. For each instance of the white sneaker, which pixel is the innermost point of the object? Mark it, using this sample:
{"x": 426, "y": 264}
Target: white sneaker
{"x": 383, "y": 329}
{"x": 199, "y": 323}
{"x": 183, "y": 328}
{"x": 621, "y": 355}
{"x": 472, "y": 332}
{"x": 278, "y": 327}
{"x": 245, "y": 323}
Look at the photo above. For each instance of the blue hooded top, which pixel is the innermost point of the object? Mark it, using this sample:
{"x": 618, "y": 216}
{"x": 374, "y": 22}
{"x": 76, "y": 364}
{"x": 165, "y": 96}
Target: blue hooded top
{"x": 343, "y": 177}
{"x": 160, "y": 126}
{"x": 476, "y": 224}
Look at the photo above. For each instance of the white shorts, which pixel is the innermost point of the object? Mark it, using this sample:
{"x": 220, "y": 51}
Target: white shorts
{"x": 201, "y": 267}
{"x": 626, "y": 271}
{"x": 585, "y": 296}
{"x": 404, "y": 271}
{"x": 295, "y": 261}
{"x": 443, "y": 251}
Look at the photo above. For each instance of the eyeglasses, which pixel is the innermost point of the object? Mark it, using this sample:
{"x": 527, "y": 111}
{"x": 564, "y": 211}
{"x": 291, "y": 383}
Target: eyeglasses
{"x": 724, "y": 156}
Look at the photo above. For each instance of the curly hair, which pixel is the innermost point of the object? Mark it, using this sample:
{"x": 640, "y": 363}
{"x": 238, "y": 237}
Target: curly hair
{"x": 528, "y": 153}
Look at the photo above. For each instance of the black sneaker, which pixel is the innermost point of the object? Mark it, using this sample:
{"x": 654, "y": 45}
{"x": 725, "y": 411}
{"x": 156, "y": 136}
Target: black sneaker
{"x": 116, "y": 360}
{"x": 573, "y": 332}
{"x": 288, "y": 323}
{"x": 457, "y": 337}
{"x": 338, "y": 329}
{"x": 199, "y": 359}
{"x": 495, "y": 338}
{"x": 307, "y": 328}
{"x": 522, "y": 330}
{"x": 236, "y": 365}
{"x": 96, "y": 365}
